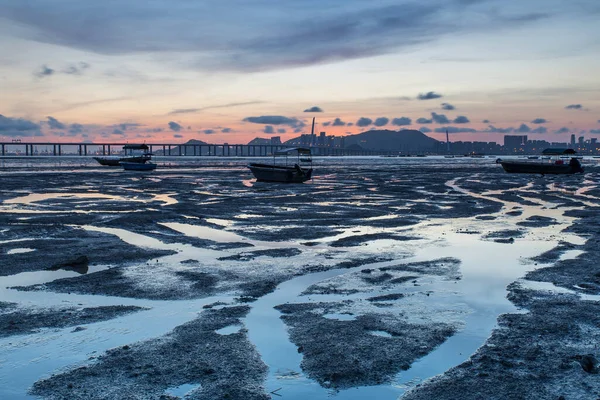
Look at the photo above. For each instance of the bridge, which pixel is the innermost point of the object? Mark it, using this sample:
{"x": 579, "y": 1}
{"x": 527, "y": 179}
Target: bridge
{"x": 18, "y": 148}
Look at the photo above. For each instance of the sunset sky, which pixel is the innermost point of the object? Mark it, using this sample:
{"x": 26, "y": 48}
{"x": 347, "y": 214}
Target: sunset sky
{"x": 232, "y": 70}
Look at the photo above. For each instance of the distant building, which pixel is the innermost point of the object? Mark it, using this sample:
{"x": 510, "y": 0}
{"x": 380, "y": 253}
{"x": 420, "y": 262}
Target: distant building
{"x": 514, "y": 142}
{"x": 322, "y": 136}
{"x": 573, "y": 140}
{"x": 275, "y": 140}
{"x": 581, "y": 141}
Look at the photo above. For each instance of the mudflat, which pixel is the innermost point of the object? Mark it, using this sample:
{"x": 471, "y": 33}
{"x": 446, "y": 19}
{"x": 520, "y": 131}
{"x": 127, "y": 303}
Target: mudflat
{"x": 381, "y": 278}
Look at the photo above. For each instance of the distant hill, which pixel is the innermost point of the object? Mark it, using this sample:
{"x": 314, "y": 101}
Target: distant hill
{"x": 259, "y": 141}
{"x": 403, "y": 140}
{"x": 190, "y": 151}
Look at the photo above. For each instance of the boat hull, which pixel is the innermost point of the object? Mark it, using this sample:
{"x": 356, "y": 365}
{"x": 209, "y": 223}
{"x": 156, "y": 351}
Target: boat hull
{"x": 116, "y": 162}
{"x": 277, "y": 173}
{"x": 135, "y": 166}
{"x": 543, "y": 168}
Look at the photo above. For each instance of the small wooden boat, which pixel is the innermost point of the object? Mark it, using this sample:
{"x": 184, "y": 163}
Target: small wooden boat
{"x": 131, "y": 154}
{"x": 285, "y": 173}
{"x": 134, "y": 166}
{"x": 554, "y": 165}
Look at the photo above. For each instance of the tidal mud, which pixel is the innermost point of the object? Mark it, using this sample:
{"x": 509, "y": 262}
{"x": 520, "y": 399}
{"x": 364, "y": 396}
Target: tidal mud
{"x": 374, "y": 270}
{"x": 20, "y": 321}
{"x": 224, "y": 366}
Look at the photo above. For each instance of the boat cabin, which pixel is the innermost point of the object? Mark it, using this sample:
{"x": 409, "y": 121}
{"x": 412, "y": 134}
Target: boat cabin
{"x": 135, "y": 149}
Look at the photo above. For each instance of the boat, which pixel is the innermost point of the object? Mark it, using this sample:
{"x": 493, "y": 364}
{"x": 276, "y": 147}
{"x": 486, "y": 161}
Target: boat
{"x": 131, "y": 154}
{"x": 554, "y": 165}
{"x": 136, "y": 166}
{"x": 285, "y": 173}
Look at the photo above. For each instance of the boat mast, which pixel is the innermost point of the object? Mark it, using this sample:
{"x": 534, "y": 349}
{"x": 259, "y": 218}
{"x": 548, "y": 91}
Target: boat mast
{"x": 447, "y": 142}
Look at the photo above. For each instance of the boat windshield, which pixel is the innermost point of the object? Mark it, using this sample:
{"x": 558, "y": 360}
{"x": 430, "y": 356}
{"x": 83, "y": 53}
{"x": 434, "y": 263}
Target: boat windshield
{"x": 301, "y": 154}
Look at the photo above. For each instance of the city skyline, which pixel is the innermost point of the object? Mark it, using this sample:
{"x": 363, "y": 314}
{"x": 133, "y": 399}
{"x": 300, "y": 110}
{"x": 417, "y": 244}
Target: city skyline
{"x": 233, "y": 71}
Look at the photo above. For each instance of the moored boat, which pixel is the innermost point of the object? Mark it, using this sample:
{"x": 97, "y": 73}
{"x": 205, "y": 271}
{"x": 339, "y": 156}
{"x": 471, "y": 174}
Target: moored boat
{"x": 556, "y": 165}
{"x": 285, "y": 173}
{"x": 131, "y": 154}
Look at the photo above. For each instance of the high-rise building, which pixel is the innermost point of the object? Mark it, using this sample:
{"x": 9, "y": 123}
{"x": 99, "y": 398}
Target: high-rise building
{"x": 580, "y": 141}
{"x": 322, "y": 136}
{"x": 573, "y": 140}
{"x": 514, "y": 142}
{"x": 276, "y": 140}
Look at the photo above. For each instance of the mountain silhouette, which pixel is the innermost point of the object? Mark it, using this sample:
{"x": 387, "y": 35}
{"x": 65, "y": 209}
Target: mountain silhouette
{"x": 402, "y": 140}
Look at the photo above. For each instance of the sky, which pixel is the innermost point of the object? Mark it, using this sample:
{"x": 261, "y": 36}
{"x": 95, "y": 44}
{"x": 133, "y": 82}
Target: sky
{"x": 227, "y": 71}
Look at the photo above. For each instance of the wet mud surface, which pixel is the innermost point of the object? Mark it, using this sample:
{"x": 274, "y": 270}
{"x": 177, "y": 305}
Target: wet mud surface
{"x": 225, "y": 366}
{"x": 364, "y": 282}
{"x": 368, "y": 350}
{"x": 19, "y": 321}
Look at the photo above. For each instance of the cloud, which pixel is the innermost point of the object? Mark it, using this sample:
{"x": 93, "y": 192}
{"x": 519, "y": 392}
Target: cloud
{"x": 362, "y": 122}
{"x": 539, "y": 121}
{"x": 53, "y": 123}
{"x": 425, "y": 129}
{"x": 253, "y": 36}
{"x": 127, "y": 125}
{"x": 564, "y": 129}
{"x": 274, "y": 120}
{"x": 154, "y": 130}
{"x": 461, "y": 119}
{"x": 402, "y": 121}
{"x": 76, "y": 69}
{"x": 595, "y": 131}
{"x": 454, "y": 129}
{"x": 313, "y": 109}
{"x": 327, "y": 123}
{"x": 486, "y": 121}
{"x": 439, "y": 118}
{"x": 177, "y": 136}
{"x": 226, "y": 130}
{"x": 493, "y": 129}
{"x": 174, "y": 126}
{"x": 209, "y": 131}
{"x": 75, "y": 128}
{"x": 18, "y": 127}
{"x": 574, "y": 107}
{"x": 269, "y": 129}
{"x": 44, "y": 71}
{"x": 71, "y": 69}
{"x": 523, "y": 129}
{"x": 338, "y": 122}
{"x": 447, "y": 106}
{"x": 184, "y": 111}
{"x": 424, "y": 121}
{"x": 228, "y": 105}
{"x": 118, "y": 132}
{"x": 539, "y": 129}
{"x": 281, "y": 130}
{"x": 381, "y": 121}
{"x": 428, "y": 96}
